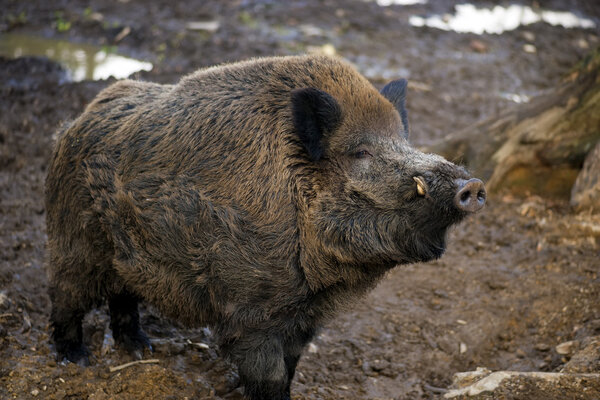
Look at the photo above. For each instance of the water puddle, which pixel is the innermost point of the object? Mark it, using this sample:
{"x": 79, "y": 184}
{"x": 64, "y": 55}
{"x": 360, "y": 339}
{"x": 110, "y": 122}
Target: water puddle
{"x": 469, "y": 18}
{"x": 83, "y": 61}
{"x": 386, "y": 3}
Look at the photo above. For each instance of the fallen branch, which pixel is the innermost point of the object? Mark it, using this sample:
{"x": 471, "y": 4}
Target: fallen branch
{"x": 129, "y": 364}
{"x": 539, "y": 147}
{"x": 433, "y": 389}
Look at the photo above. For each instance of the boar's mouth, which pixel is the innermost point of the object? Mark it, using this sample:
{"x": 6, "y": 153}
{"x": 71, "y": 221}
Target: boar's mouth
{"x": 446, "y": 205}
{"x": 428, "y": 237}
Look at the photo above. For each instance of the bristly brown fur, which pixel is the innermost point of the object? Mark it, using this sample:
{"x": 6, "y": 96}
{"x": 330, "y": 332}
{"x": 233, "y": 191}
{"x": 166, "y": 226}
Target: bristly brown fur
{"x": 227, "y": 200}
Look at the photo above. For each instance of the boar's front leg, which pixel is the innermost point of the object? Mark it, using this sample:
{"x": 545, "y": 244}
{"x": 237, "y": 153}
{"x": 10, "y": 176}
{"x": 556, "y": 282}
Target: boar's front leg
{"x": 125, "y": 324}
{"x": 292, "y": 351}
{"x": 260, "y": 360}
{"x": 291, "y": 361}
{"x": 267, "y": 362}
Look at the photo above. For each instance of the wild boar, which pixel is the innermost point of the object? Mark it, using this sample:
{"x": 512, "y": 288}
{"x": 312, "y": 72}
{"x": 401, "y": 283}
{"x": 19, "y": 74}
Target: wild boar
{"x": 255, "y": 197}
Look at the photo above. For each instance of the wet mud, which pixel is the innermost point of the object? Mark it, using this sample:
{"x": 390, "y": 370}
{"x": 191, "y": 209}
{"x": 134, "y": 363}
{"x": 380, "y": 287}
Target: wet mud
{"x": 518, "y": 279}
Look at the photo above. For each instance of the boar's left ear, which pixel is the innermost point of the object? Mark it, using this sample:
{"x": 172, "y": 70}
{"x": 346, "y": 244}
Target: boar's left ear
{"x": 316, "y": 113}
{"x": 395, "y": 92}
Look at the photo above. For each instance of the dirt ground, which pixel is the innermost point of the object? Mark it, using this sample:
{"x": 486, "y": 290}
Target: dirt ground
{"x": 517, "y": 279}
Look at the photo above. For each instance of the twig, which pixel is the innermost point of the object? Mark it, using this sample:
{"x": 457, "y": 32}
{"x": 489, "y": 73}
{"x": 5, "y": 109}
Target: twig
{"x": 129, "y": 364}
{"x": 434, "y": 389}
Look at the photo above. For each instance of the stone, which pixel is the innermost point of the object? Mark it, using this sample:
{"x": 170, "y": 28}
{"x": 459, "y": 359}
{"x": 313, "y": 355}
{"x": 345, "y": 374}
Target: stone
{"x": 587, "y": 359}
{"x": 566, "y": 347}
{"x": 585, "y": 193}
{"x": 511, "y": 385}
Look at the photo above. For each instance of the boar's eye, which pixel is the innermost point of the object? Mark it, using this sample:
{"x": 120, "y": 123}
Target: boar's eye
{"x": 362, "y": 154}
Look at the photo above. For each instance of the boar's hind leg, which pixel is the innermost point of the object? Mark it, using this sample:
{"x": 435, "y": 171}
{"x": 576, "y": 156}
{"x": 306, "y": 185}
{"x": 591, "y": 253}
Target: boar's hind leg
{"x": 260, "y": 361}
{"x": 66, "y": 317}
{"x": 125, "y": 324}
{"x": 293, "y": 350}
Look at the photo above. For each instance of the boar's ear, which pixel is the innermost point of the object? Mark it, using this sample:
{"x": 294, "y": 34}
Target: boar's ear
{"x": 395, "y": 92}
{"x": 316, "y": 113}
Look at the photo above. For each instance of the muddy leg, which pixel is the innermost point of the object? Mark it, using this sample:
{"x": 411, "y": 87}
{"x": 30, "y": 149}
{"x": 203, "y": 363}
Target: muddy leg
{"x": 125, "y": 324}
{"x": 260, "y": 360}
{"x": 66, "y": 318}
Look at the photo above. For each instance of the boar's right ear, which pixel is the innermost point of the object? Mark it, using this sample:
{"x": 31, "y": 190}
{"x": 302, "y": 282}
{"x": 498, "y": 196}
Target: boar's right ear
{"x": 395, "y": 92}
{"x": 315, "y": 113}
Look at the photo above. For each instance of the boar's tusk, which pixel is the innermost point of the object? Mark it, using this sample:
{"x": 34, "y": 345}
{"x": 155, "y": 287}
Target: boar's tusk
{"x": 421, "y": 185}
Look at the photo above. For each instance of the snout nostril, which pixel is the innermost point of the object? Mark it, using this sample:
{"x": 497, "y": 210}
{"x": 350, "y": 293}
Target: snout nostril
{"x": 470, "y": 195}
{"x": 465, "y": 196}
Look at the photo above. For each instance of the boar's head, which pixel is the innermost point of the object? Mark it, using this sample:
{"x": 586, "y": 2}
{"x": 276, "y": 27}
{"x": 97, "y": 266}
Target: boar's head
{"x": 377, "y": 200}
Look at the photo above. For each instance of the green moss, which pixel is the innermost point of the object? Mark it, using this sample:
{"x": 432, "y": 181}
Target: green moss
{"x": 60, "y": 24}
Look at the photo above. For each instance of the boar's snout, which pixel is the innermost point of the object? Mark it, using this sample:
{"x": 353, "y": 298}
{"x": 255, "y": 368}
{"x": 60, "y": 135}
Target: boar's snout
{"x": 470, "y": 195}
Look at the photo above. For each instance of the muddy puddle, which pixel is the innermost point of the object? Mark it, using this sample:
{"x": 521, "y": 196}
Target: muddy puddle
{"x": 386, "y": 3}
{"x": 82, "y": 61}
{"x": 471, "y": 19}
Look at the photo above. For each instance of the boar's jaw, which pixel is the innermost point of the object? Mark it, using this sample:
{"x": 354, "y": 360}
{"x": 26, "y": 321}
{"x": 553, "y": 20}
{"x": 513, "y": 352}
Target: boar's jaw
{"x": 348, "y": 243}
{"x": 423, "y": 246}
{"x": 359, "y": 234}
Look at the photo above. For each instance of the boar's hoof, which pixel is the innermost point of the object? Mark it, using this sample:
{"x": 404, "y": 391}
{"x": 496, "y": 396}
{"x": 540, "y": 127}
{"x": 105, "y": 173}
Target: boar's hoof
{"x": 470, "y": 196}
{"x": 75, "y": 353}
{"x": 134, "y": 344}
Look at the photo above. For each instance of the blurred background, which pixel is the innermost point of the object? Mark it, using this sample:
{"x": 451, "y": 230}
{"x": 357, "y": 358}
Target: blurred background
{"x": 467, "y": 61}
{"x": 518, "y": 281}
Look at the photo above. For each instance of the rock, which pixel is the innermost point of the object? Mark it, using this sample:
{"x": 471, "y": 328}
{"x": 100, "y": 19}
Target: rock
{"x": 380, "y": 365}
{"x": 529, "y": 36}
{"x": 587, "y": 359}
{"x": 542, "y": 347}
{"x": 478, "y": 46}
{"x": 586, "y": 190}
{"x": 207, "y": 26}
{"x": 366, "y": 367}
{"x": 512, "y": 385}
{"x": 566, "y": 347}
{"x": 464, "y": 379}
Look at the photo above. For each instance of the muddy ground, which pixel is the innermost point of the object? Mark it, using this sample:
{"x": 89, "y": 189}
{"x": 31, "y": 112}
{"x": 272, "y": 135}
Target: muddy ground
{"x": 518, "y": 279}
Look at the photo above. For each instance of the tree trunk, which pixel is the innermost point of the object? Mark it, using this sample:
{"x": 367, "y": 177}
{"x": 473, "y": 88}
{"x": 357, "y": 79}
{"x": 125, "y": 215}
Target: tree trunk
{"x": 540, "y": 147}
